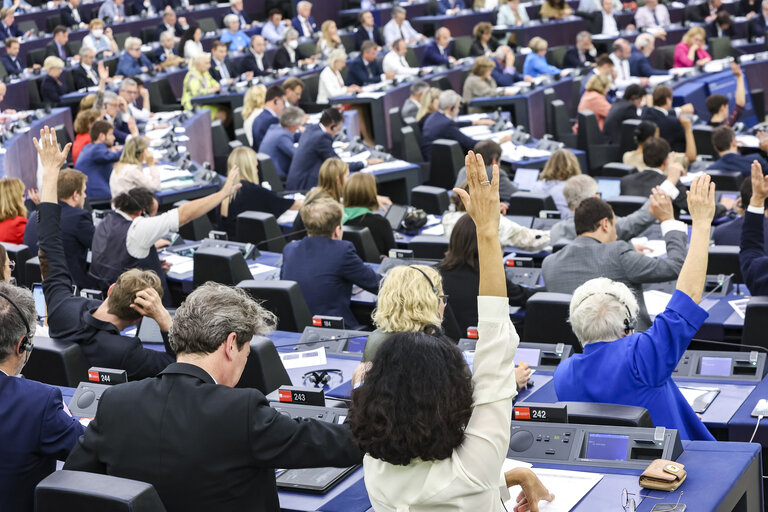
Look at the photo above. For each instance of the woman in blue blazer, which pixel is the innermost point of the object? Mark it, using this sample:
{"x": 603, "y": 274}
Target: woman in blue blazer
{"x": 52, "y": 87}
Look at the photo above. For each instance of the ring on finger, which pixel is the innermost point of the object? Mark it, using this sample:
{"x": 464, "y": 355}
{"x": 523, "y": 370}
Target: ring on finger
{"x": 486, "y": 182}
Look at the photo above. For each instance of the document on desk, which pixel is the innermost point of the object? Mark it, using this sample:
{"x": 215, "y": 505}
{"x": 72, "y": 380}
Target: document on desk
{"x": 157, "y": 133}
{"x": 371, "y": 95}
{"x": 384, "y": 166}
{"x": 264, "y": 272}
{"x": 569, "y": 487}
{"x": 739, "y": 306}
{"x": 747, "y": 141}
{"x": 360, "y": 157}
{"x": 179, "y": 264}
{"x": 437, "y": 230}
{"x": 476, "y": 131}
{"x": 656, "y": 301}
{"x": 656, "y": 248}
{"x": 314, "y": 357}
{"x": 168, "y": 173}
{"x": 699, "y": 398}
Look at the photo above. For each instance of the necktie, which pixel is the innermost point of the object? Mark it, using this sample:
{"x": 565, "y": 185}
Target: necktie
{"x": 368, "y": 69}
{"x": 655, "y": 18}
{"x": 62, "y": 53}
{"x": 402, "y": 36}
{"x": 76, "y": 15}
{"x": 307, "y": 28}
{"x": 223, "y": 71}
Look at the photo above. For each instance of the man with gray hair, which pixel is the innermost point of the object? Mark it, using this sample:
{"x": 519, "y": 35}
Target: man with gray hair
{"x": 278, "y": 141}
{"x": 166, "y": 54}
{"x": 583, "y": 54}
{"x": 132, "y": 62}
{"x": 85, "y": 75}
{"x": 639, "y": 62}
{"x": 304, "y": 23}
{"x": 400, "y": 28}
{"x": 236, "y": 8}
{"x": 202, "y": 443}
{"x": 130, "y": 92}
{"x": 580, "y": 187}
{"x": 413, "y": 103}
{"x": 621, "y": 366}
{"x": 35, "y": 427}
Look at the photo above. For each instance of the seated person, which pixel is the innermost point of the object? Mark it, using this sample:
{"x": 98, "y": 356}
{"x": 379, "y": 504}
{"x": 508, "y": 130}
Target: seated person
{"x": 37, "y": 427}
{"x": 365, "y": 69}
{"x": 132, "y": 62}
{"x": 330, "y": 183}
{"x": 274, "y": 103}
{"x": 450, "y": 7}
{"x": 82, "y": 127}
{"x": 222, "y": 69}
{"x": 129, "y": 172}
{"x": 624, "y": 367}
{"x": 126, "y": 236}
{"x": 165, "y": 55}
{"x": 639, "y": 61}
{"x": 52, "y": 87}
{"x": 621, "y": 110}
{"x": 729, "y": 233}
{"x": 59, "y": 46}
{"x": 8, "y": 26}
{"x": 718, "y": 105}
{"x": 190, "y": 44}
{"x": 324, "y": 265}
{"x": 690, "y": 51}
{"x": 329, "y": 39}
{"x": 580, "y": 187}
{"x": 253, "y": 106}
{"x": 753, "y": 257}
{"x": 536, "y": 62}
{"x": 86, "y": 74}
{"x": 413, "y": 103}
{"x": 331, "y": 82}
{"x": 243, "y": 438}
{"x": 724, "y": 142}
{"x": 504, "y": 71}
{"x": 480, "y": 83}
{"x": 304, "y": 22}
{"x": 555, "y": 9}
{"x": 95, "y": 325}
{"x": 597, "y": 252}
{"x": 483, "y": 42}
{"x": 288, "y": 55}
{"x": 112, "y": 9}
{"x": 400, "y": 28}
{"x": 274, "y": 28}
{"x": 648, "y": 130}
{"x": 603, "y": 22}
{"x": 395, "y": 61}
{"x": 652, "y": 15}
{"x": 705, "y": 12}
{"x": 367, "y": 31}
{"x": 255, "y": 59}
{"x": 561, "y": 165}
{"x": 236, "y": 7}
{"x": 430, "y": 99}
{"x": 199, "y": 82}
{"x": 76, "y": 226}
{"x": 594, "y": 98}
{"x": 294, "y": 89}
{"x": 10, "y": 60}
{"x": 441, "y": 51}
{"x": 97, "y": 159}
{"x": 233, "y": 35}
{"x": 100, "y": 40}
{"x": 721, "y": 26}
{"x": 512, "y": 13}
{"x": 360, "y": 206}
{"x": 491, "y": 153}
{"x": 663, "y": 115}
{"x": 251, "y": 196}
{"x": 583, "y": 54}
{"x": 13, "y": 213}
{"x": 759, "y": 24}
{"x": 278, "y": 141}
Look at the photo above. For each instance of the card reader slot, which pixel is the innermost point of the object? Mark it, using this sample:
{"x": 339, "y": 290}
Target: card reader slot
{"x": 645, "y": 453}
{"x": 549, "y": 359}
{"x": 744, "y": 368}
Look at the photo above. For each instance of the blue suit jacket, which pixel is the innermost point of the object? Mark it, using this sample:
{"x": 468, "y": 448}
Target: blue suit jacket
{"x": 128, "y": 66}
{"x": 297, "y": 25}
{"x": 325, "y": 270}
{"x": 360, "y": 74}
{"x": 438, "y": 126}
{"x": 361, "y": 36}
{"x": 36, "y": 432}
{"x": 735, "y": 162}
{"x": 51, "y": 91}
{"x": 96, "y": 161}
{"x": 260, "y": 125}
{"x": 757, "y": 26}
{"x": 504, "y": 79}
{"x": 753, "y": 258}
{"x": 315, "y": 146}
{"x": 637, "y": 370}
{"x": 10, "y": 67}
{"x": 158, "y": 55}
{"x": 12, "y": 31}
{"x": 278, "y": 144}
{"x": 434, "y": 57}
{"x": 444, "y": 5}
{"x": 639, "y": 65}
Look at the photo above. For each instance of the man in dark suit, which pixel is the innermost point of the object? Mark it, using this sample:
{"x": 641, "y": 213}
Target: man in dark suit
{"x": 704, "y": 12}
{"x": 729, "y": 233}
{"x": 583, "y": 54}
{"x": 59, "y": 47}
{"x": 758, "y": 25}
{"x": 36, "y": 428}
{"x": 621, "y": 110}
{"x": 602, "y": 21}
{"x": 303, "y": 22}
{"x": 222, "y": 69}
{"x": 86, "y": 74}
{"x": 255, "y": 59}
{"x": 10, "y": 60}
{"x": 722, "y": 26}
{"x": 8, "y": 27}
{"x": 324, "y": 265}
{"x": 450, "y": 7}
{"x": 365, "y": 69}
{"x": 166, "y": 55}
{"x": 278, "y": 141}
{"x": 724, "y": 142}
{"x": 441, "y": 51}
{"x": 664, "y": 116}
{"x": 504, "y": 73}
{"x": 639, "y": 64}
{"x": 367, "y": 31}
{"x": 70, "y": 16}
{"x": 753, "y": 257}
{"x": 236, "y": 8}
{"x": 315, "y": 147}
{"x": 170, "y": 24}
{"x": 202, "y": 443}
{"x": 274, "y": 104}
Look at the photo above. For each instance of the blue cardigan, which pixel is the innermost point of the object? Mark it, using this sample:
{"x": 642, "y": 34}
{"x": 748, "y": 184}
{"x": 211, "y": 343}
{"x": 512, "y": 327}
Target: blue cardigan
{"x": 536, "y": 65}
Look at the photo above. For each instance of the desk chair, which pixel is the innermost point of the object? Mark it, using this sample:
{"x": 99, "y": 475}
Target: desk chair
{"x": 429, "y": 246}
{"x": 56, "y": 362}
{"x": 284, "y": 299}
{"x": 207, "y": 25}
{"x": 237, "y": 118}
{"x": 264, "y": 369}
{"x": 587, "y": 413}
{"x": 720, "y": 47}
{"x": 35, "y": 101}
{"x": 161, "y": 96}
{"x": 462, "y": 44}
{"x": 726, "y": 180}
{"x": 54, "y": 20}
{"x": 196, "y": 229}
{"x": 529, "y": 204}
{"x": 395, "y": 125}
{"x": 755, "y": 322}
{"x": 32, "y": 272}
{"x": 624, "y": 205}
{"x": 546, "y": 320}
{"x": 432, "y": 200}
{"x": 665, "y": 56}
{"x": 627, "y": 137}
{"x": 560, "y": 125}
{"x": 78, "y": 490}
{"x": 617, "y": 170}
{"x": 220, "y": 265}
{"x": 591, "y": 140}
{"x": 221, "y": 149}
{"x": 447, "y": 160}
{"x": 308, "y": 101}
{"x": 702, "y": 135}
{"x": 555, "y": 55}
{"x": 240, "y": 135}
{"x": 362, "y": 239}
{"x": 724, "y": 259}
{"x": 148, "y": 35}
{"x": 268, "y": 173}
{"x": 20, "y": 254}
{"x": 256, "y": 227}
{"x": 36, "y": 56}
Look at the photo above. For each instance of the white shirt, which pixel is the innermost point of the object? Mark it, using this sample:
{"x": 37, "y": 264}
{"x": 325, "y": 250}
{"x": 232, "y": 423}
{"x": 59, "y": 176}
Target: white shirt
{"x": 470, "y": 478}
{"x": 90, "y": 73}
{"x": 139, "y": 114}
{"x": 609, "y": 24}
{"x": 145, "y": 231}
{"x": 192, "y": 49}
{"x": 305, "y": 26}
{"x": 623, "y": 76}
{"x": 597, "y": 5}
{"x": 248, "y": 124}
{"x": 394, "y": 62}
{"x": 331, "y": 84}
{"x": 392, "y": 32}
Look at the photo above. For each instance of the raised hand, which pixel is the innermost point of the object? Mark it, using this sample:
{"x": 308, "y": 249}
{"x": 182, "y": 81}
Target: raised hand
{"x": 51, "y": 157}
{"x": 660, "y": 205}
{"x": 701, "y": 199}
{"x": 759, "y": 186}
{"x": 482, "y": 201}
{"x": 149, "y": 303}
{"x": 233, "y": 182}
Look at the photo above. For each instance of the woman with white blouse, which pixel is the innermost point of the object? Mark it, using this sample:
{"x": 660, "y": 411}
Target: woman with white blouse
{"x": 511, "y": 13}
{"x": 331, "y": 82}
{"x": 329, "y": 38}
{"x": 100, "y": 40}
{"x": 129, "y": 172}
{"x": 445, "y": 451}
{"x": 190, "y": 45}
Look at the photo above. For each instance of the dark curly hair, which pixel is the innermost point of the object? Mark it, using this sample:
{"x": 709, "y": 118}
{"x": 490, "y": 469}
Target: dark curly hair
{"x": 415, "y": 402}
{"x": 134, "y": 201}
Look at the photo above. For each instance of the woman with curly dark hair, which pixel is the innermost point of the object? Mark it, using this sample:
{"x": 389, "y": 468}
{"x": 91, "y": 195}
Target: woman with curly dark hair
{"x": 435, "y": 436}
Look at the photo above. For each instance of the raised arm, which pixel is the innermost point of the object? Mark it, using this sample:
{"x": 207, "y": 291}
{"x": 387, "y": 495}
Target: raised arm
{"x": 752, "y": 257}
{"x": 690, "y": 141}
{"x": 741, "y": 92}
{"x": 701, "y": 206}
{"x": 194, "y": 209}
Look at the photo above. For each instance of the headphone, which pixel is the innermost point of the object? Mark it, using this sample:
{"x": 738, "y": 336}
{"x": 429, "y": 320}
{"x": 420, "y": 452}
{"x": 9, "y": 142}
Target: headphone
{"x": 431, "y": 284}
{"x": 630, "y": 322}
{"x": 321, "y": 378}
{"x": 143, "y": 211}
{"x": 26, "y": 345}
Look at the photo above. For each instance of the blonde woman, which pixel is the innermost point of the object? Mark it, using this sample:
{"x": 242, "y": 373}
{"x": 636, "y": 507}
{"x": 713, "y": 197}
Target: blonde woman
{"x": 251, "y": 196}
{"x": 690, "y": 51}
{"x": 360, "y": 203}
{"x": 560, "y": 166}
{"x": 253, "y": 105}
{"x": 52, "y": 87}
{"x": 129, "y": 171}
{"x": 199, "y": 82}
{"x": 331, "y": 82}
{"x": 594, "y": 98}
{"x": 329, "y": 38}
{"x": 536, "y": 62}
{"x": 13, "y": 213}
{"x": 330, "y": 183}
{"x": 479, "y": 83}
{"x": 429, "y": 100}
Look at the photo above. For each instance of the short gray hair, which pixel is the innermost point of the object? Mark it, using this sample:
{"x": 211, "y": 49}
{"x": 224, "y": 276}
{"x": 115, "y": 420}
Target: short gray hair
{"x": 581, "y": 36}
{"x": 599, "y": 308}
{"x": 132, "y": 42}
{"x": 501, "y": 52}
{"x": 303, "y": 3}
{"x": 448, "y": 99}
{"x": 229, "y": 18}
{"x": 84, "y": 50}
{"x": 127, "y": 82}
{"x": 167, "y": 35}
{"x": 13, "y": 326}
{"x": 291, "y": 33}
{"x": 578, "y": 188}
{"x": 645, "y": 38}
{"x": 291, "y": 116}
{"x": 213, "y": 311}
{"x": 421, "y": 85}
{"x": 397, "y": 10}
{"x": 109, "y": 97}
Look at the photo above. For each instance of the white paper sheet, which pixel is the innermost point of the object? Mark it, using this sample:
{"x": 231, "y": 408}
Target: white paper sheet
{"x": 437, "y": 230}
{"x": 657, "y": 247}
{"x": 739, "y": 306}
{"x": 656, "y": 301}
{"x": 259, "y": 271}
{"x": 383, "y": 166}
{"x": 569, "y": 487}
{"x": 179, "y": 264}
{"x": 314, "y": 357}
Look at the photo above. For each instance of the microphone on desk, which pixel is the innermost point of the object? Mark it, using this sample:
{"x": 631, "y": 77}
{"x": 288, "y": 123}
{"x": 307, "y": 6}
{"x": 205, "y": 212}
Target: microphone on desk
{"x": 729, "y": 344}
{"x": 721, "y": 279}
{"x": 286, "y": 235}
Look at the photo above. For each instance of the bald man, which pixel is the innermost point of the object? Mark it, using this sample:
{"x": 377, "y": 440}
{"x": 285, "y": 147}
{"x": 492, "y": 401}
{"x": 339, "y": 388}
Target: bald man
{"x": 441, "y": 51}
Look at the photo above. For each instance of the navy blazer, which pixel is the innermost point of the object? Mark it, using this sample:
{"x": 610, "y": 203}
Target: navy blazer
{"x": 12, "y": 68}
{"x": 52, "y": 50}
{"x": 242, "y": 16}
{"x": 757, "y": 26}
{"x": 12, "y": 31}
{"x": 361, "y": 36}
{"x": 444, "y": 5}
{"x": 66, "y": 16}
{"x": 502, "y": 78}
{"x": 640, "y": 65}
{"x": 216, "y": 74}
{"x": 249, "y": 64}
{"x": 571, "y": 59}
{"x": 158, "y": 55}
{"x": 96, "y": 161}
{"x": 325, "y": 270}
{"x": 729, "y": 233}
{"x": 81, "y": 78}
{"x": 260, "y": 125}
{"x": 753, "y": 258}
{"x": 36, "y": 432}
{"x": 364, "y": 73}
{"x": 51, "y": 91}
{"x": 734, "y": 162}
{"x": 278, "y": 144}
{"x": 434, "y": 57}
{"x": 297, "y": 25}
{"x": 177, "y": 30}
{"x": 669, "y": 127}
{"x": 315, "y": 146}
{"x": 438, "y": 126}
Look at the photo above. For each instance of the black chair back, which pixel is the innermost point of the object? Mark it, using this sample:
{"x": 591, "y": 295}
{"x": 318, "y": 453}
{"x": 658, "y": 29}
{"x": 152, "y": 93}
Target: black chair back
{"x": 447, "y": 160}
{"x": 429, "y": 247}
{"x": 78, "y": 490}
{"x": 546, "y": 320}
{"x": 284, "y": 299}
{"x": 268, "y": 173}
{"x": 624, "y": 205}
{"x": 264, "y": 369}
{"x": 756, "y": 322}
{"x": 221, "y": 265}
{"x": 724, "y": 259}
{"x": 411, "y": 149}
{"x": 529, "y": 204}
{"x": 726, "y": 180}
{"x": 628, "y": 127}
{"x": 432, "y": 200}
{"x": 617, "y": 170}
{"x": 32, "y": 272}
{"x": 395, "y": 125}
{"x": 57, "y": 362}
{"x": 362, "y": 239}
{"x": 256, "y": 227}
{"x": 702, "y": 135}
{"x": 560, "y": 126}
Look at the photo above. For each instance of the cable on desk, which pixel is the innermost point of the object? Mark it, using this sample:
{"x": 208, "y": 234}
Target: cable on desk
{"x": 756, "y": 426}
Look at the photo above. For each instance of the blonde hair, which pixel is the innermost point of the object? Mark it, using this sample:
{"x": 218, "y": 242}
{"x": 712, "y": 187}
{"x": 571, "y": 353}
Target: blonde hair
{"x": 337, "y": 55}
{"x": 325, "y": 33}
{"x": 254, "y": 98}
{"x": 598, "y": 83}
{"x": 406, "y": 301}
{"x": 360, "y": 191}
{"x": 247, "y": 162}
{"x": 134, "y": 148}
{"x": 130, "y": 283}
{"x": 132, "y": 43}
{"x": 693, "y": 32}
{"x": 322, "y": 216}
{"x": 537, "y": 43}
{"x": 482, "y": 65}
{"x": 199, "y": 59}
{"x": 52, "y": 62}
{"x": 12, "y": 199}
{"x": 330, "y": 180}
{"x": 95, "y": 22}
{"x": 561, "y": 165}
{"x": 429, "y": 97}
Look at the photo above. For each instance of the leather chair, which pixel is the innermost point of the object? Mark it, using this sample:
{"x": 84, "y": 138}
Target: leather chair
{"x": 432, "y": 200}
{"x": 78, "y": 490}
{"x": 264, "y": 369}
{"x": 618, "y": 170}
{"x": 624, "y": 205}
{"x": 447, "y": 160}
{"x": 256, "y": 227}
{"x": 724, "y": 259}
{"x": 221, "y": 265}
{"x": 362, "y": 239}
{"x": 429, "y": 246}
{"x": 546, "y": 320}
{"x": 57, "y": 362}
{"x": 284, "y": 299}
{"x": 529, "y": 204}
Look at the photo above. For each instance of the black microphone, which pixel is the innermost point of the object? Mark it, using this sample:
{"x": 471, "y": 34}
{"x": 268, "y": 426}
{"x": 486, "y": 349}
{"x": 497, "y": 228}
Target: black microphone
{"x": 320, "y": 341}
{"x": 299, "y": 232}
{"x": 721, "y": 279}
{"x": 734, "y": 345}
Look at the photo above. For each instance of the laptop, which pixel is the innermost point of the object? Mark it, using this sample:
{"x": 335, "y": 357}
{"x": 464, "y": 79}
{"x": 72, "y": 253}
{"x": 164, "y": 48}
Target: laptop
{"x": 609, "y": 187}
{"x": 395, "y": 215}
{"x": 525, "y": 179}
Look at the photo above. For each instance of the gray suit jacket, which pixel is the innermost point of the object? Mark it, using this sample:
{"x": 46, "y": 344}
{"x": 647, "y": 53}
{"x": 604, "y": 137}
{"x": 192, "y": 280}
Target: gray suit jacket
{"x": 586, "y": 258}
{"x": 626, "y": 227}
{"x": 409, "y": 109}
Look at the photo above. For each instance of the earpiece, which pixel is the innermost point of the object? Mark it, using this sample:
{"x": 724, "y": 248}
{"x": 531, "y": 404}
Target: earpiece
{"x": 630, "y": 322}
{"x": 26, "y": 344}
{"x": 431, "y": 284}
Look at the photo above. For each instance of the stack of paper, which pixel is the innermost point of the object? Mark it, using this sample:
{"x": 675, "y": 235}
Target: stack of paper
{"x": 569, "y": 487}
